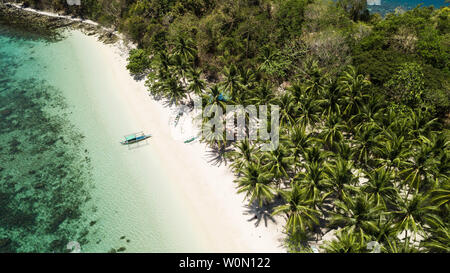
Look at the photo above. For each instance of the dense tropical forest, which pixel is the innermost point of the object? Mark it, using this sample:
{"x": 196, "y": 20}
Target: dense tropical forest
{"x": 365, "y": 107}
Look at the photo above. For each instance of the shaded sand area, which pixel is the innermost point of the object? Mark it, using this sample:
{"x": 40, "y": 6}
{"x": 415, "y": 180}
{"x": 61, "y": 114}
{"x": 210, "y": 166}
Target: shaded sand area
{"x": 159, "y": 196}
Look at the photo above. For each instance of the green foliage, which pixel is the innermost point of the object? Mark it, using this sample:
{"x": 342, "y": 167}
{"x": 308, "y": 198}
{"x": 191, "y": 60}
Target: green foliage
{"x": 364, "y": 149}
{"x": 289, "y": 16}
{"x": 273, "y": 63}
{"x": 407, "y": 85}
{"x": 138, "y": 61}
{"x": 357, "y": 9}
{"x": 432, "y": 49}
{"x": 417, "y": 36}
{"x": 361, "y": 152}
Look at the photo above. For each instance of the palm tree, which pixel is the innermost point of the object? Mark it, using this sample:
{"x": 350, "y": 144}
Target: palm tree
{"x": 438, "y": 240}
{"x": 185, "y": 48}
{"x": 394, "y": 245}
{"x": 214, "y": 96}
{"x": 419, "y": 168}
{"x": 392, "y": 150}
{"x": 420, "y": 123}
{"x": 163, "y": 61}
{"x": 279, "y": 162}
{"x": 369, "y": 112}
{"x": 263, "y": 94}
{"x": 297, "y": 91}
{"x": 366, "y": 143}
{"x": 359, "y": 213}
{"x": 351, "y": 83}
{"x": 173, "y": 90}
{"x": 331, "y": 100}
{"x": 380, "y": 185}
{"x": 314, "y": 81}
{"x": 332, "y": 132}
{"x": 288, "y": 109}
{"x": 344, "y": 151}
{"x": 314, "y": 183}
{"x": 231, "y": 81}
{"x": 247, "y": 79}
{"x": 441, "y": 195}
{"x": 412, "y": 214}
{"x": 443, "y": 167}
{"x": 309, "y": 109}
{"x": 353, "y": 88}
{"x": 300, "y": 215}
{"x": 180, "y": 66}
{"x": 196, "y": 84}
{"x": 346, "y": 242}
{"x": 299, "y": 140}
{"x": 314, "y": 154}
{"x": 439, "y": 144}
{"x": 268, "y": 60}
{"x": 340, "y": 177}
{"x": 256, "y": 183}
{"x": 242, "y": 155}
{"x": 214, "y": 104}
{"x": 439, "y": 148}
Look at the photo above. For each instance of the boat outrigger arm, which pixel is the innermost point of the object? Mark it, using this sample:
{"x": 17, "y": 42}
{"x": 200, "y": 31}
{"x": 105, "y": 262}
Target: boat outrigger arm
{"x": 134, "y": 138}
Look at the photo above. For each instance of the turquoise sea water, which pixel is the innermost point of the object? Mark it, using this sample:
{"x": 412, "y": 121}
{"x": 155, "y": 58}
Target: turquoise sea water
{"x": 386, "y": 6}
{"x": 44, "y": 168}
{"x": 63, "y": 175}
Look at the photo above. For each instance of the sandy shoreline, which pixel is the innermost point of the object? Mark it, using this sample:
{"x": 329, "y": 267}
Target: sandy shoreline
{"x": 208, "y": 191}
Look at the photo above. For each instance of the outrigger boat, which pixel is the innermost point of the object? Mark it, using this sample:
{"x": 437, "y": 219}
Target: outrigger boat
{"x": 190, "y": 140}
{"x": 134, "y": 138}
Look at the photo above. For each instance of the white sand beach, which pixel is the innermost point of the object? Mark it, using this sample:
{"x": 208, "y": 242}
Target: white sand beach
{"x": 208, "y": 190}
{"x": 163, "y": 195}
{"x": 165, "y": 186}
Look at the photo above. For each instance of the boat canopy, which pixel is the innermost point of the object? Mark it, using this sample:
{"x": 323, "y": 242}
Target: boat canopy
{"x": 134, "y": 138}
{"x": 130, "y": 137}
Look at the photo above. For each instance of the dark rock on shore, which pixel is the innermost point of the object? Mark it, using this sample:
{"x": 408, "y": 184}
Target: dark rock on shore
{"x": 48, "y": 26}
{"x": 108, "y": 38}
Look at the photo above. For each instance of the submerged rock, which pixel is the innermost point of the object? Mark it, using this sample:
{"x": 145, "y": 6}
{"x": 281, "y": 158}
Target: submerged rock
{"x": 39, "y": 185}
{"x": 6, "y": 112}
{"x": 57, "y": 245}
{"x": 4, "y": 242}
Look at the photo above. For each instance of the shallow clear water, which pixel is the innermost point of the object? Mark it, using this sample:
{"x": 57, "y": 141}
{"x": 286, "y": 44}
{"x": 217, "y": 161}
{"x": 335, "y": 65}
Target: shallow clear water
{"x": 45, "y": 171}
{"x": 63, "y": 175}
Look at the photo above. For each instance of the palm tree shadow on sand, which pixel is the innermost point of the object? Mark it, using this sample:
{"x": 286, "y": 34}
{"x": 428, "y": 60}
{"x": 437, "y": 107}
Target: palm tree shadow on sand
{"x": 262, "y": 213}
{"x": 216, "y": 155}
